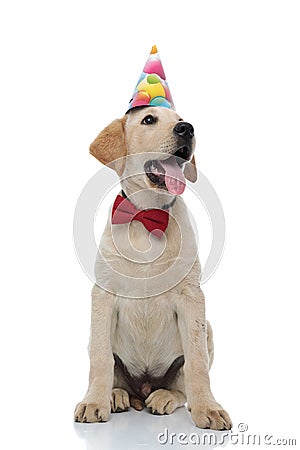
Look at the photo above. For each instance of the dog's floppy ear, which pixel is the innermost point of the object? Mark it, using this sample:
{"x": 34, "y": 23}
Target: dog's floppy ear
{"x": 110, "y": 145}
{"x": 190, "y": 170}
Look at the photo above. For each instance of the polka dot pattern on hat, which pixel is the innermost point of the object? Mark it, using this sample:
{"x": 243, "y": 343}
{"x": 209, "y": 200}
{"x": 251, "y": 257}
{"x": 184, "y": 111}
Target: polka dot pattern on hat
{"x": 152, "y": 88}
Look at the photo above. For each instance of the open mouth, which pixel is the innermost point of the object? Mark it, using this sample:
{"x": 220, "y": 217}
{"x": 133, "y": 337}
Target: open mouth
{"x": 167, "y": 174}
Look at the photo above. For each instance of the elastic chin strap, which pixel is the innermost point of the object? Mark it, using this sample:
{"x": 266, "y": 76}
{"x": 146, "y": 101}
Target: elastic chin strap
{"x": 165, "y": 207}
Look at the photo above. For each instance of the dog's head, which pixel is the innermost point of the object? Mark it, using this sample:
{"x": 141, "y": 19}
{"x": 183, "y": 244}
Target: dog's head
{"x": 151, "y": 149}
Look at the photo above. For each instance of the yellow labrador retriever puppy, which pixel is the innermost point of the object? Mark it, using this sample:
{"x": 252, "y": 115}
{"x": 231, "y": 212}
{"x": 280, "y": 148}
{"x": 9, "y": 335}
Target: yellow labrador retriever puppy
{"x": 150, "y": 343}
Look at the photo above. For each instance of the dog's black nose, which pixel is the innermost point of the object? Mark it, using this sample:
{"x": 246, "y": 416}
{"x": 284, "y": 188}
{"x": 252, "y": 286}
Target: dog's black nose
{"x": 184, "y": 129}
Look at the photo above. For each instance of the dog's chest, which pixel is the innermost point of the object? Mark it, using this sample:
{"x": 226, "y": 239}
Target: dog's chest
{"x": 146, "y": 335}
{"x": 133, "y": 263}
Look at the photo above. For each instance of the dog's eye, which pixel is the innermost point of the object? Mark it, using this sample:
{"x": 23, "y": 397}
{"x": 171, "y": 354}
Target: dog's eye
{"x": 149, "y": 120}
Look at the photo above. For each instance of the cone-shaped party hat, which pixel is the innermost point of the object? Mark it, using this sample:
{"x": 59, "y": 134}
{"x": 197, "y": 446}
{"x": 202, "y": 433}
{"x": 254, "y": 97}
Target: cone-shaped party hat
{"x": 152, "y": 88}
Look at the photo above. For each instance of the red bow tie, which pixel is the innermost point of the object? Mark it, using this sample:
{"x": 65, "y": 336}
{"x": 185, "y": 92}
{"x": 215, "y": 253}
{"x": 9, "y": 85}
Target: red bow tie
{"x": 154, "y": 220}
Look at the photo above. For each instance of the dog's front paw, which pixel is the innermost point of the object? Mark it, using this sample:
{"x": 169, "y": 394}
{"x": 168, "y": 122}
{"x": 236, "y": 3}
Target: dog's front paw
{"x": 211, "y": 416}
{"x": 91, "y": 412}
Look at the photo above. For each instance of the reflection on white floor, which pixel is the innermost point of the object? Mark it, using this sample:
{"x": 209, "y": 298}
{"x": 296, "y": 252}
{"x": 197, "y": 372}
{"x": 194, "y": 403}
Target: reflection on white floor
{"x": 135, "y": 430}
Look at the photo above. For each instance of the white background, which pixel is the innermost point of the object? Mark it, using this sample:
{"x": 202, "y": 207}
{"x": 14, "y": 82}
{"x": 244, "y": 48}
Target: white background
{"x": 68, "y": 69}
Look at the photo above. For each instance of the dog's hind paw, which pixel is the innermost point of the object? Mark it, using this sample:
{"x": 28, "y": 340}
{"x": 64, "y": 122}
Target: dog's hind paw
{"x": 164, "y": 401}
{"x": 119, "y": 400}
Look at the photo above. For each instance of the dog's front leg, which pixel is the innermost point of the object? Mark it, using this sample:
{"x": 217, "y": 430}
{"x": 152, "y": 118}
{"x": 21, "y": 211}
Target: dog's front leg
{"x": 95, "y": 407}
{"x": 205, "y": 411}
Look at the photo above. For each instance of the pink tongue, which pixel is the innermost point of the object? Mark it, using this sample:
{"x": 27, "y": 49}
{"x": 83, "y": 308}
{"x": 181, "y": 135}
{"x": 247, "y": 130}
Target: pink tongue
{"x": 174, "y": 177}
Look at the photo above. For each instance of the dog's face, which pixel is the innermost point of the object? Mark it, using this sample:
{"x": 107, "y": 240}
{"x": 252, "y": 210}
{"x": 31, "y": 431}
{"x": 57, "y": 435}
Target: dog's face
{"x": 150, "y": 148}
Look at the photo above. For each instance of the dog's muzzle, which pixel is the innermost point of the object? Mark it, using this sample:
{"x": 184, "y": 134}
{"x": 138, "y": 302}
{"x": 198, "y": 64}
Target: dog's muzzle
{"x": 168, "y": 173}
{"x": 184, "y": 129}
